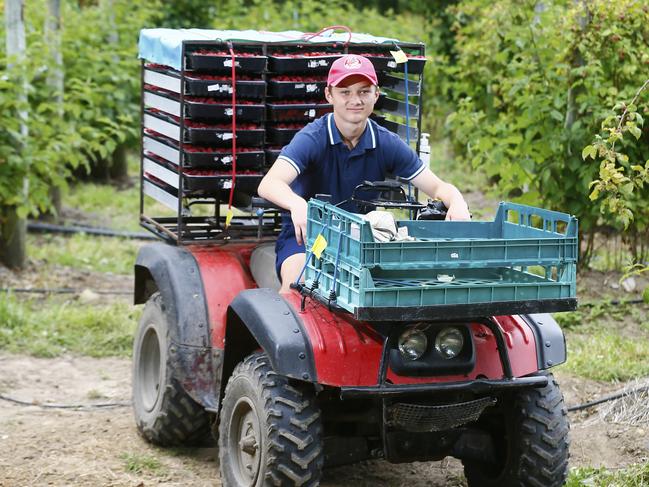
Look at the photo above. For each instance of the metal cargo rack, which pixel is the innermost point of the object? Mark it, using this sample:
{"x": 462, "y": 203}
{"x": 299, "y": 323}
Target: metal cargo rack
{"x": 187, "y": 110}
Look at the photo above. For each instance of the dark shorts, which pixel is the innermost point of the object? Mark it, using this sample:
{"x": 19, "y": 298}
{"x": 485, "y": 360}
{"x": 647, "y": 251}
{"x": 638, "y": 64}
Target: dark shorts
{"x": 285, "y": 247}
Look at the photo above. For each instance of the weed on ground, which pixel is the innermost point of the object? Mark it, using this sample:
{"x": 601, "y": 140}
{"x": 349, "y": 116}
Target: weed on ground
{"x": 53, "y": 326}
{"x": 140, "y": 463}
{"x": 634, "y": 476}
{"x": 83, "y": 251}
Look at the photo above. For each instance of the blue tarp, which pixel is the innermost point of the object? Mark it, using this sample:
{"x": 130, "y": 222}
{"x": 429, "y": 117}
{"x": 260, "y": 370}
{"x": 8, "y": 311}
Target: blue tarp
{"x": 164, "y": 46}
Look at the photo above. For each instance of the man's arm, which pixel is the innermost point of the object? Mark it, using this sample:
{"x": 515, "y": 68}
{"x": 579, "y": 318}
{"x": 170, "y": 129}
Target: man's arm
{"x": 275, "y": 187}
{"x": 434, "y": 187}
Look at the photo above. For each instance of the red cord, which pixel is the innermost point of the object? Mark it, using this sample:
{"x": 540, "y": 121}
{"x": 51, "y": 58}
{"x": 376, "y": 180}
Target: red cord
{"x": 234, "y": 128}
{"x": 334, "y": 27}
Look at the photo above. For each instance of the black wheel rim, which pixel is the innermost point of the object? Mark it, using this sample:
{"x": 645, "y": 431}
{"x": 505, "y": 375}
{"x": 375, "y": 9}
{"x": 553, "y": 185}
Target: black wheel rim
{"x": 245, "y": 442}
{"x": 149, "y": 369}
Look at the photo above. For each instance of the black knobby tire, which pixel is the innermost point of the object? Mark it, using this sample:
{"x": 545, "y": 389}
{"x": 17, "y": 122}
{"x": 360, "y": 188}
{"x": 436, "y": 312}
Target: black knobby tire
{"x": 164, "y": 413}
{"x": 270, "y": 430}
{"x": 532, "y": 445}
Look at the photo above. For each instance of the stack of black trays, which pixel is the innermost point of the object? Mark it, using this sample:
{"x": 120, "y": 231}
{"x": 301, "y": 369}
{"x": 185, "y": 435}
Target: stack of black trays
{"x": 187, "y": 123}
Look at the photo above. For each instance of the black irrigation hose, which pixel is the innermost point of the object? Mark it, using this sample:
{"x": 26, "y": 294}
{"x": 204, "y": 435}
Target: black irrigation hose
{"x": 104, "y": 405}
{"x": 620, "y": 395}
{"x": 40, "y": 227}
{"x": 612, "y": 302}
{"x": 63, "y": 290}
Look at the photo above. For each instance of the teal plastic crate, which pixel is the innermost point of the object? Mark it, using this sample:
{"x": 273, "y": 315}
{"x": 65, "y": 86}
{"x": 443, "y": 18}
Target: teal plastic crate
{"x": 536, "y": 237}
{"x": 525, "y": 259}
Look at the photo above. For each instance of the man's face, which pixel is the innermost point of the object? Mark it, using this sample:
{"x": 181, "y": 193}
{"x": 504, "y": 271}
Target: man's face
{"x": 353, "y": 100}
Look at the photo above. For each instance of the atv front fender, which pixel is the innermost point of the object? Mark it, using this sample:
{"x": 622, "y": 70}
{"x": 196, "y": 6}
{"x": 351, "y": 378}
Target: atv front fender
{"x": 264, "y": 317}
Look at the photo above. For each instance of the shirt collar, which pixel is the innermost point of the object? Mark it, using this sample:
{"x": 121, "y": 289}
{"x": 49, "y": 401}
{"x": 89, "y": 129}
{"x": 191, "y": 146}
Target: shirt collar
{"x": 368, "y": 139}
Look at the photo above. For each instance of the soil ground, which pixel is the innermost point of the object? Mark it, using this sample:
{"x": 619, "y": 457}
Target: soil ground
{"x": 42, "y": 446}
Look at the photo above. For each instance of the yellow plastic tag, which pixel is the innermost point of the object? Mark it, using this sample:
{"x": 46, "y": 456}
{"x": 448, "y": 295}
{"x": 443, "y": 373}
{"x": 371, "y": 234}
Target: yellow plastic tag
{"x": 399, "y": 56}
{"x": 228, "y": 217}
{"x": 319, "y": 245}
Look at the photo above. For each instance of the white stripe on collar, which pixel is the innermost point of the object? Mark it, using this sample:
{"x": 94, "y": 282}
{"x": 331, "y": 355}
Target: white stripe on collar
{"x": 372, "y": 132}
{"x": 331, "y": 135}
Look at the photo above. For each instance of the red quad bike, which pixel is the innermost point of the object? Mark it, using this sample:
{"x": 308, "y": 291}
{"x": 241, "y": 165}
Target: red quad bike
{"x": 291, "y": 383}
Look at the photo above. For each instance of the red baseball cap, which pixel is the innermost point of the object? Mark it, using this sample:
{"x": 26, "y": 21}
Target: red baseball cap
{"x": 351, "y": 65}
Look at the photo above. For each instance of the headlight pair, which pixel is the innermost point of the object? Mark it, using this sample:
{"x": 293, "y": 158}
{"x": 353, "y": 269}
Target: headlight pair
{"x": 413, "y": 343}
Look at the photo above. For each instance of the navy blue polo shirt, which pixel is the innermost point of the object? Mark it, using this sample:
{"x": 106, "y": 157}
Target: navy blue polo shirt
{"x": 325, "y": 165}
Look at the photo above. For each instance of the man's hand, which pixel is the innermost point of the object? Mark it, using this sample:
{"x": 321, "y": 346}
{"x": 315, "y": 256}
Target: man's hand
{"x": 298, "y": 214}
{"x": 449, "y": 194}
{"x": 458, "y": 211}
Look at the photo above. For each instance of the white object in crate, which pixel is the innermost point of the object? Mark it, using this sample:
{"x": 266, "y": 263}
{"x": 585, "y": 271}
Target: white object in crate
{"x": 384, "y": 228}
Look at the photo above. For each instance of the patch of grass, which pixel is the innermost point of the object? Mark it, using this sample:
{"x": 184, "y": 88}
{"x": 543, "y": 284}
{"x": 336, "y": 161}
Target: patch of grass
{"x": 605, "y": 355}
{"x": 599, "y": 314}
{"x": 634, "y": 476}
{"x": 82, "y": 251}
{"x": 94, "y": 394}
{"x": 607, "y": 342}
{"x": 139, "y": 463}
{"x": 52, "y": 327}
{"x": 114, "y": 207}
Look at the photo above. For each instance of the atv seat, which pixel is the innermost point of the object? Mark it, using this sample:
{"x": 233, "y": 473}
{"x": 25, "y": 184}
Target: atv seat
{"x": 262, "y": 266}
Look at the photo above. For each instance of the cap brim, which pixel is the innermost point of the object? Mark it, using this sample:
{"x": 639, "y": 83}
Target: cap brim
{"x": 349, "y": 75}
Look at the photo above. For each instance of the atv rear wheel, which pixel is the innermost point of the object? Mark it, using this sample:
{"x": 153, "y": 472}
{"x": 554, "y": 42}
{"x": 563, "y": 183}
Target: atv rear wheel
{"x": 270, "y": 429}
{"x": 165, "y": 414}
{"x": 531, "y": 442}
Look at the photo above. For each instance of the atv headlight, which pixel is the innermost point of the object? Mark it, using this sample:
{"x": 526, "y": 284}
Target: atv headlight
{"x": 412, "y": 344}
{"x": 449, "y": 342}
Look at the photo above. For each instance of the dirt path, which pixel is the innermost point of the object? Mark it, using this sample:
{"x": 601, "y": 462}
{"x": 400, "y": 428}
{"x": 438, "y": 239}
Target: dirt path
{"x": 100, "y": 447}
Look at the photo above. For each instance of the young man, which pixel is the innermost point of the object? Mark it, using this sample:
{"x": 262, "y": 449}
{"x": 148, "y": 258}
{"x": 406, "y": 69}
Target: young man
{"x": 335, "y": 153}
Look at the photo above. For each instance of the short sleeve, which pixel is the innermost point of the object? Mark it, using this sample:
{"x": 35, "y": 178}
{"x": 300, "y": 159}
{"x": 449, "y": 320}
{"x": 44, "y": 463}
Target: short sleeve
{"x": 302, "y": 150}
{"x": 405, "y": 162}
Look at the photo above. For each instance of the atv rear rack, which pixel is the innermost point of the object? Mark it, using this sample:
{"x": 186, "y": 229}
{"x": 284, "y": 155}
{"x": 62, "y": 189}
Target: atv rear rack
{"x": 188, "y": 110}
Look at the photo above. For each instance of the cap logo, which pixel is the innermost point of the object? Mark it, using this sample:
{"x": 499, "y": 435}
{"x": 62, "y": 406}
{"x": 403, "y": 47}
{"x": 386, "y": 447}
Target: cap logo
{"x": 352, "y": 62}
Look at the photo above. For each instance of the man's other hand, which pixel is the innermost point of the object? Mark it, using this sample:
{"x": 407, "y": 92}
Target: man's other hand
{"x": 298, "y": 215}
{"x": 458, "y": 211}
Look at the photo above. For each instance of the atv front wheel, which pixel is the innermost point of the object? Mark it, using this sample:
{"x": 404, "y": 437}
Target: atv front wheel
{"x": 165, "y": 414}
{"x": 270, "y": 429}
{"x": 530, "y": 441}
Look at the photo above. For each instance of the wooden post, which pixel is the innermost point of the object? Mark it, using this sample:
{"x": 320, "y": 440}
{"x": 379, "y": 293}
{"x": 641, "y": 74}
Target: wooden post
{"x": 55, "y": 78}
{"x": 13, "y": 229}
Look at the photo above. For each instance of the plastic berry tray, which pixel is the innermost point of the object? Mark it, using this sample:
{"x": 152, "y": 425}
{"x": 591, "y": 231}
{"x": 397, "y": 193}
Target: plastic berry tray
{"x": 282, "y": 133}
{"x": 209, "y": 182}
{"x": 305, "y": 62}
{"x": 212, "y": 134}
{"x": 385, "y": 62}
{"x": 219, "y": 60}
{"x": 248, "y": 158}
{"x": 297, "y": 86}
{"x": 296, "y": 110}
{"x": 196, "y": 156}
{"x": 201, "y": 108}
{"x": 204, "y": 84}
{"x": 221, "y": 134}
{"x": 200, "y": 84}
